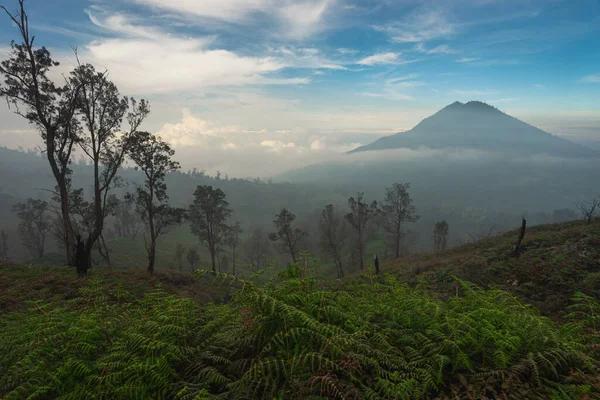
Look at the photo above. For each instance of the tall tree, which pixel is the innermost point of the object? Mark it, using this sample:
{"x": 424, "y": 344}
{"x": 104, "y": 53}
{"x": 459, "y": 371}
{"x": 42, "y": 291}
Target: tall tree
{"x": 333, "y": 233}
{"x": 359, "y": 216}
{"x": 208, "y": 215}
{"x": 233, "y": 241}
{"x": 286, "y": 237}
{"x": 440, "y": 235}
{"x": 34, "y": 225}
{"x": 49, "y": 107}
{"x": 101, "y": 111}
{"x": 257, "y": 247}
{"x": 193, "y": 258}
{"x": 153, "y": 157}
{"x": 397, "y": 209}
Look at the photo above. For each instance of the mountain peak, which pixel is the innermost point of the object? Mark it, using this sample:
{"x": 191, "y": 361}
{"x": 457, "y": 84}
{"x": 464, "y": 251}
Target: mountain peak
{"x": 480, "y": 126}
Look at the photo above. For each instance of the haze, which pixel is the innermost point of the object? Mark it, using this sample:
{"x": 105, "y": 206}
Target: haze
{"x": 255, "y": 88}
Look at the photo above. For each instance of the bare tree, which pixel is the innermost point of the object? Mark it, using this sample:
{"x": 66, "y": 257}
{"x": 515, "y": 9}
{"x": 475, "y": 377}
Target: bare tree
{"x": 588, "y": 209}
{"x": 359, "y": 216}
{"x": 440, "y": 235}
{"x": 286, "y": 237}
{"x": 126, "y": 221}
{"x": 34, "y": 225}
{"x": 208, "y": 215}
{"x": 333, "y": 234}
{"x": 153, "y": 157}
{"x": 233, "y": 241}
{"x": 257, "y": 247}
{"x": 50, "y": 108}
{"x": 193, "y": 258}
{"x": 397, "y": 209}
{"x": 3, "y": 246}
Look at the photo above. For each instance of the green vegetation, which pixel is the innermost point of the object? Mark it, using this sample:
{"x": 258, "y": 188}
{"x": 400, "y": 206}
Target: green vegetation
{"x": 373, "y": 337}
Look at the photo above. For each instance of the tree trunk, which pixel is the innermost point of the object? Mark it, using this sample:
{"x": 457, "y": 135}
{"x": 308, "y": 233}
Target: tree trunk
{"x": 398, "y": 242}
{"x": 521, "y": 235}
{"x": 82, "y": 256}
{"x": 360, "y": 250}
{"x": 212, "y": 258}
{"x": 152, "y": 257}
{"x": 233, "y": 260}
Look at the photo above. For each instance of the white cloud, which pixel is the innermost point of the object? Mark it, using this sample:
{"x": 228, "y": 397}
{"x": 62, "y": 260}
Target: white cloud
{"x": 344, "y": 50}
{"x": 420, "y": 26}
{"x": 467, "y": 59}
{"x": 402, "y": 78}
{"x": 297, "y": 19}
{"x": 441, "y": 49}
{"x": 380, "y": 58}
{"x": 145, "y": 60}
{"x": 591, "y": 78}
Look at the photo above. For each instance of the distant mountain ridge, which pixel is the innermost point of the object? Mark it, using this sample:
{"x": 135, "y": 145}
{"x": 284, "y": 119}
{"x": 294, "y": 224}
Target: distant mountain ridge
{"x": 480, "y": 126}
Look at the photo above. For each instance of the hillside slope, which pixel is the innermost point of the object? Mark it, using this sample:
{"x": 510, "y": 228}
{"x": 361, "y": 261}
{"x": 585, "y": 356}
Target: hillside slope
{"x": 556, "y": 260}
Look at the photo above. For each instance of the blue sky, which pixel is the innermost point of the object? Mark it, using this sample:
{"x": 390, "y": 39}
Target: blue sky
{"x": 296, "y": 81}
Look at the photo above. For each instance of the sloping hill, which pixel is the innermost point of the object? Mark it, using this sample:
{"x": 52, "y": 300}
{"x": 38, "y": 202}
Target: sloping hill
{"x": 477, "y": 125}
{"x": 555, "y": 261}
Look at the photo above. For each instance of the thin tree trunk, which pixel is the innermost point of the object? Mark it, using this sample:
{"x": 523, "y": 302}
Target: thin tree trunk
{"x": 360, "y": 250}
{"x": 152, "y": 257}
{"x": 521, "y": 235}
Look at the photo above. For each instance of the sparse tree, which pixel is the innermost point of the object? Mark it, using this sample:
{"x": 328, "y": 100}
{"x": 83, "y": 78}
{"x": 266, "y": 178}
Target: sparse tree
{"x": 396, "y": 210}
{"x": 126, "y": 221}
{"x": 588, "y": 209}
{"x": 179, "y": 254}
{"x": 3, "y": 246}
{"x": 34, "y": 225}
{"x": 359, "y": 216}
{"x": 333, "y": 233}
{"x": 153, "y": 157}
{"x": 233, "y": 241}
{"x": 440, "y": 235}
{"x": 49, "y": 107}
{"x": 101, "y": 111}
{"x": 193, "y": 258}
{"x": 257, "y": 247}
{"x": 286, "y": 237}
{"x": 208, "y": 215}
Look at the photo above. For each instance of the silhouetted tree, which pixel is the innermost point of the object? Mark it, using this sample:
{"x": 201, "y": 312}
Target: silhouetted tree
{"x": 440, "y": 235}
{"x": 233, "y": 240}
{"x": 193, "y": 258}
{"x": 286, "y": 237}
{"x": 257, "y": 247}
{"x": 333, "y": 233}
{"x": 49, "y": 107}
{"x": 179, "y": 253}
{"x": 34, "y": 225}
{"x": 359, "y": 216}
{"x": 208, "y": 215}
{"x": 396, "y": 210}
{"x": 588, "y": 209}
{"x": 153, "y": 157}
{"x": 126, "y": 221}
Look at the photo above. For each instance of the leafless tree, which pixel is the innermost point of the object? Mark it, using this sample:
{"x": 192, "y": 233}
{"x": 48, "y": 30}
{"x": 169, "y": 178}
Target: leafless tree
{"x": 359, "y": 216}
{"x": 333, "y": 234}
{"x": 588, "y": 209}
{"x": 396, "y": 210}
{"x": 193, "y": 258}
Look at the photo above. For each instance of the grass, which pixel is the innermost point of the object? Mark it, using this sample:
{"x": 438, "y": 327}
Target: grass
{"x": 555, "y": 262}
